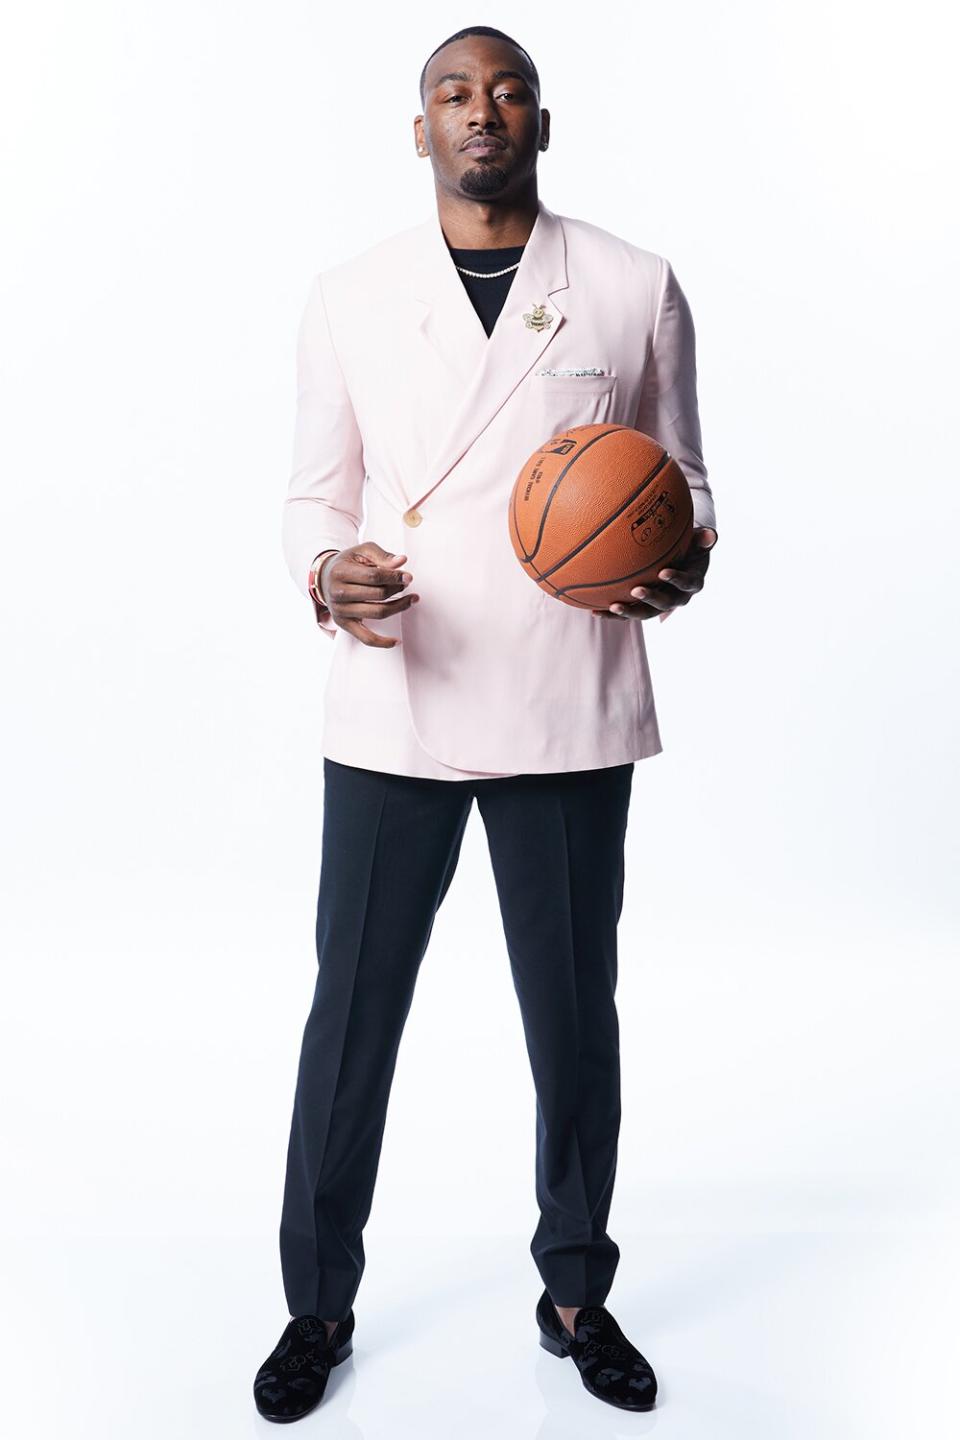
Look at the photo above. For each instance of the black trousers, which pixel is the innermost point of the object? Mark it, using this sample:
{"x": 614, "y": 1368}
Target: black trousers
{"x": 389, "y": 850}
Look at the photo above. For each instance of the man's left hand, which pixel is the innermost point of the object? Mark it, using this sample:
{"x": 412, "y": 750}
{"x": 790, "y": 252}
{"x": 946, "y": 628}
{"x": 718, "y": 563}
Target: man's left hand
{"x": 677, "y": 587}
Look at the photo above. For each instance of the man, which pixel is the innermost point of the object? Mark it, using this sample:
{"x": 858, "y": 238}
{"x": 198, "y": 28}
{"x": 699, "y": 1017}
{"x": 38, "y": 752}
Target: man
{"x": 429, "y": 368}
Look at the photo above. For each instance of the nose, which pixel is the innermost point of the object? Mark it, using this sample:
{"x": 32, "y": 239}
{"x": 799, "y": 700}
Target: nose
{"x": 484, "y": 113}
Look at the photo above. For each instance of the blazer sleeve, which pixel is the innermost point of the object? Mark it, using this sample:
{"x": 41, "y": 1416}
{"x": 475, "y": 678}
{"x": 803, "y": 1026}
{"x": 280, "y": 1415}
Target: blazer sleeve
{"x": 668, "y": 407}
{"x": 323, "y": 506}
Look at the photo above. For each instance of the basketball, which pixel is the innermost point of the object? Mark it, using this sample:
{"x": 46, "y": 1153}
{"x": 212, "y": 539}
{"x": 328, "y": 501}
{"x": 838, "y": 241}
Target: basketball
{"x": 597, "y": 510}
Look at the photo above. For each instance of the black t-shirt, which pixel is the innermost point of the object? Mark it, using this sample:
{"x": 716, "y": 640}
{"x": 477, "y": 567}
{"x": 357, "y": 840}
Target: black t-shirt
{"x": 488, "y": 296}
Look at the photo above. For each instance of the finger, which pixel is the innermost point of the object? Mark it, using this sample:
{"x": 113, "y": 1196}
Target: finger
{"x": 344, "y": 593}
{"x": 372, "y": 609}
{"x": 380, "y": 575}
{"x": 689, "y": 580}
{"x": 620, "y": 610}
{"x": 611, "y": 612}
{"x": 370, "y": 553}
{"x": 658, "y": 597}
{"x": 365, "y": 572}
{"x": 366, "y": 636}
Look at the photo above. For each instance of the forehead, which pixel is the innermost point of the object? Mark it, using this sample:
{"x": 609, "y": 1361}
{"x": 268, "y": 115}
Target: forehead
{"x": 477, "y": 56}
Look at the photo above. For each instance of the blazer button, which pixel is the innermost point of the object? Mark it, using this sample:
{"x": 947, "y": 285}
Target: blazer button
{"x": 412, "y": 516}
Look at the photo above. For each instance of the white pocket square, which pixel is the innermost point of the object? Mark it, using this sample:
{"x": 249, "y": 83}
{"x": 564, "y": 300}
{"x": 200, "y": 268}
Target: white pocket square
{"x": 575, "y": 370}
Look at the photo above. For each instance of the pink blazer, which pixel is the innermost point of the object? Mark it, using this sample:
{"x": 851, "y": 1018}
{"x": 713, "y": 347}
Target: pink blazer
{"x": 411, "y": 427}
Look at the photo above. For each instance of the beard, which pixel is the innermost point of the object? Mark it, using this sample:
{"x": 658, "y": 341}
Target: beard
{"x": 482, "y": 180}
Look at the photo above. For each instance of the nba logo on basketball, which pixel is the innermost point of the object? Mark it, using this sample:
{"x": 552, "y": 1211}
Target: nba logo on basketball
{"x": 660, "y": 512}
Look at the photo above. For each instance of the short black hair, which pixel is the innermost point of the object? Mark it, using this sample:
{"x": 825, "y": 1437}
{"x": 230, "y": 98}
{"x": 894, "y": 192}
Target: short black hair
{"x": 480, "y": 30}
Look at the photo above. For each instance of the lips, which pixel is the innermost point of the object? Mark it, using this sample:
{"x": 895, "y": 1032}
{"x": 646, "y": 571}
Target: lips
{"x": 485, "y": 146}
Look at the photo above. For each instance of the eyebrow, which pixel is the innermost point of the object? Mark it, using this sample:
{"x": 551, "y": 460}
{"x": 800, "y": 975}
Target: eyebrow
{"x": 497, "y": 75}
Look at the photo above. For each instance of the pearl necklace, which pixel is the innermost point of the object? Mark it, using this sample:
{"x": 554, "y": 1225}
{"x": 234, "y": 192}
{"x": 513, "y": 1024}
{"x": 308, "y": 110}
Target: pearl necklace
{"x": 486, "y": 274}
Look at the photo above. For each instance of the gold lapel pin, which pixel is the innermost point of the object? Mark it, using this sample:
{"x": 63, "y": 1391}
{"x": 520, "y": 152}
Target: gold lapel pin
{"x": 539, "y": 318}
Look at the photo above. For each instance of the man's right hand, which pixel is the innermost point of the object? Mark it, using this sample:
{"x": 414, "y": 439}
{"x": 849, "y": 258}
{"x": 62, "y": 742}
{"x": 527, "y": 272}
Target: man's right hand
{"x": 358, "y": 583}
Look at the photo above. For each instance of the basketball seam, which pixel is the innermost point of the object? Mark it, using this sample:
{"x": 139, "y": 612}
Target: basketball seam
{"x": 597, "y": 584}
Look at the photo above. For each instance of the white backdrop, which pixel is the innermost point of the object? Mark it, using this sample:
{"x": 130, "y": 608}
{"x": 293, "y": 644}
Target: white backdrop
{"x": 173, "y": 176}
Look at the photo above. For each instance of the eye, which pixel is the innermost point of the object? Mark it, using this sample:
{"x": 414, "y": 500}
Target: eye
{"x": 504, "y": 94}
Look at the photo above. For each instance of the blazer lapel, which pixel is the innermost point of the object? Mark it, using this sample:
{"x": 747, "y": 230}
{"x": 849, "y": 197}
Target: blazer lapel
{"x": 485, "y": 371}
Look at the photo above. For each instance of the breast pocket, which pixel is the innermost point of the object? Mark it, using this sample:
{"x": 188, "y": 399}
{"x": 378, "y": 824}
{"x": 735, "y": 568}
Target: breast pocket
{"x": 560, "y": 401}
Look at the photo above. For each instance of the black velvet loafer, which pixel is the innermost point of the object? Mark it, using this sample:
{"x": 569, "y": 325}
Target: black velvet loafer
{"x": 610, "y": 1367}
{"x": 291, "y": 1381}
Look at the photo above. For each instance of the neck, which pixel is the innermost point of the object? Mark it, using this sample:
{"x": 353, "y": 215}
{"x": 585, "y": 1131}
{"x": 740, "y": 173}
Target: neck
{"x": 486, "y": 224}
